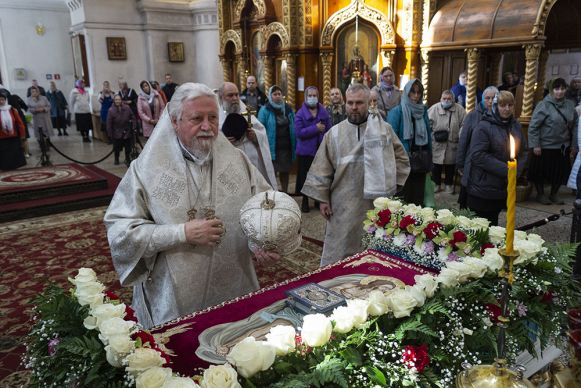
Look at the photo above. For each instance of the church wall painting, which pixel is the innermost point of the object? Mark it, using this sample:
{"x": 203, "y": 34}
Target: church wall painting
{"x": 368, "y": 43}
{"x": 257, "y": 63}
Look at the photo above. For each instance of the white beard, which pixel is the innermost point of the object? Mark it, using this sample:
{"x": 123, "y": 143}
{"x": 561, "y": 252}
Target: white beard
{"x": 201, "y": 149}
{"x": 231, "y": 108}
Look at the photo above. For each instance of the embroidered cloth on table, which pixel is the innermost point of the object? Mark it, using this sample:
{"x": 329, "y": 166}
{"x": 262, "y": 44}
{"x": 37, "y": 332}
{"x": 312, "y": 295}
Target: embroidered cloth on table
{"x": 352, "y": 276}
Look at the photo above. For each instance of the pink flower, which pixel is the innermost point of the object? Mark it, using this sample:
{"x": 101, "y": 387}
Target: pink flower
{"x": 52, "y": 346}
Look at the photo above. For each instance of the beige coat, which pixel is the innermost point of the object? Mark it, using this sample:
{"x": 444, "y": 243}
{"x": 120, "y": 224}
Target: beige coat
{"x": 386, "y": 103}
{"x": 446, "y": 120}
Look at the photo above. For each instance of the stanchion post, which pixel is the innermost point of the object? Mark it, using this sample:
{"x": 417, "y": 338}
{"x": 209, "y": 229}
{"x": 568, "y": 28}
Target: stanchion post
{"x": 576, "y": 237}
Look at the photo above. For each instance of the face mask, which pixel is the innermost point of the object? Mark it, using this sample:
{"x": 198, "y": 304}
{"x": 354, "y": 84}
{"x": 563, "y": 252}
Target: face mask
{"x": 312, "y": 101}
{"x": 446, "y": 104}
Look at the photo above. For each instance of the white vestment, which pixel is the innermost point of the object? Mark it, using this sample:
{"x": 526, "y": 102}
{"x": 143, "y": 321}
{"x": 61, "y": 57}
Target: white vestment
{"x": 337, "y": 177}
{"x": 145, "y": 227}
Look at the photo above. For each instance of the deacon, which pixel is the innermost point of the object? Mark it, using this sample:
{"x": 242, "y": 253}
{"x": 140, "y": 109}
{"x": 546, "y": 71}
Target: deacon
{"x": 252, "y": 141}
{"x": 360, "y": 159}
{"x": 173, "y": 224}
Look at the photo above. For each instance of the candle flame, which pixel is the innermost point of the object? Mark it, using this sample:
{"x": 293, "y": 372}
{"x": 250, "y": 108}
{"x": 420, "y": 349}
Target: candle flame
{"x": 512, "y": 148}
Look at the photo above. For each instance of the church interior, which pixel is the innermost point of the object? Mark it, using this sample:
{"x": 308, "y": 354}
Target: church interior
{"x": 446, "y": 300}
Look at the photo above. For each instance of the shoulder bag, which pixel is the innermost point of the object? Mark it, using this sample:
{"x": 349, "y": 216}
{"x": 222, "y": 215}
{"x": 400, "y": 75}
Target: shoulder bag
{"x": 441, "y": 136}
{"x": 420, "y": 156}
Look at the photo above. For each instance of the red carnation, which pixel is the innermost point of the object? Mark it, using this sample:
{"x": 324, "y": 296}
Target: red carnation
{"x": 458, "y": 237}
{"x": 432, "y": 230}
{"x": 494, "y": 311}
{"x": 111, "y": 295}
{"x": 130, "y": 314}
{"x": 384, "y": 218}
{"x": 145, "y": 338}
{"x": 407, "y": 221}
{"x": 485, "y": 247}
{"x": 416, "y": 356}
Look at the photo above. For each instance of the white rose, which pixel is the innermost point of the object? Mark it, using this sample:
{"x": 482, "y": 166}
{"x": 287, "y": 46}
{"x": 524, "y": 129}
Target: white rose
{"x": 142, "y": 359}
{"x": 479, "y": 223}
{"x": 427, "y": 214}
{"x": 115, "y": 327}
{"x": 520, "y": 235}
{"x": 316, "y": 330}
{"x": 343, "y": 319}
{"x": 428, "y": 283}
{"x": 153, "y": 378}
{"x": 535, "y": 238}
{"x": 497, "y": 235}
{"x": 417, "y": 293}
{"x": 401, "y": 303}
{"x": 461, "y": 268}
{"x": 85, "y": 275}
{"x": 381, "y": 203}
{"x": 122, "y": 344}
{"x": 411, "y": 209}
{"x": 179, "y": 382}
{"x": 527, "y": 250}
{"x": 113, "y": 358}
{"x": 445, "y": 217}
{"x": 394, "y": 205}
{"x": 492, "y": 259}
{"x": 103, "y": 312}
{"x": 377, "y": 303}
{"x": 448, "y": 277}
{"x": 282, "y": 338}
{"x": 464, "y": 222}
{"x": 358, "y": 308}
{"x": 220, "y": 376}
{"x": 90, "y": 293}
{"x": 251, "y": 356}
{"x": 477, "y": 267}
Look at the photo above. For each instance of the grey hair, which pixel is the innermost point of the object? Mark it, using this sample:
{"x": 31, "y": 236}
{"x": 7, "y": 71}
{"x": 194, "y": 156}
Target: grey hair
{"x": 357, "y": 87}
{"x": 492, "y": 89}
{"x": 448, "y": 92}
{"x": 186, "y": 92}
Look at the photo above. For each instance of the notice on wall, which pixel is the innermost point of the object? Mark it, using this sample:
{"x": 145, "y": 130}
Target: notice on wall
{"x": 49, "y": 76}
{"x": 57, "y": 76}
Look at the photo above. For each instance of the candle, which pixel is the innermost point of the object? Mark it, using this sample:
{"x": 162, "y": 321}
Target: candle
{"x": 356, "y": 29}
{"x": 511, "y": 199}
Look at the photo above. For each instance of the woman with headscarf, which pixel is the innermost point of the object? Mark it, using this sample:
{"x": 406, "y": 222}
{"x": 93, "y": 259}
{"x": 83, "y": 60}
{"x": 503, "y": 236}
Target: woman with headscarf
{"x": 58, "y": 109}
{"x": 486, "y": 163}
{"x": 81, "y": 106}
{"x": 155, "y": 85}
{"x": 40, "y": 108}
{"x": 312, "y": 121}
{"x": 106, "y": 100}
{"x": 150, "y": 106}
{"x": 410, "y": 122}
{"x": 12, "y": 135}
{"x": 279, "y": 120}
{"x": 470, "y": 122}
{"x": 552, "y": 138}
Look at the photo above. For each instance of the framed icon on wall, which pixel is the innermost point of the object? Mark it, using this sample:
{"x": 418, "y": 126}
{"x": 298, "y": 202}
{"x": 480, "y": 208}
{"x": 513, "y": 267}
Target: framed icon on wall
{"x": 175, "y": 51}
{"x": 116, "y": 49}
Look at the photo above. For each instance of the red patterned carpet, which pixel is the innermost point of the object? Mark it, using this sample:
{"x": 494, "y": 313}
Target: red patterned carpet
{"x": 52, "y": 248}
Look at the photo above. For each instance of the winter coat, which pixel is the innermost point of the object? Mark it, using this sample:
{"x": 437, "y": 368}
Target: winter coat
{"x": 308, "y": 136}
{"x": 471, "y": 121}
{"x": 459, "y": 93}
{"x": 486, "y": 164}
{"x": 145, "y": 112}
{"x": 449, "y": 120}
{"x": 548, "y": 129}
{"x": 386, "y": 103}
{"x": 58, "y": 103}
{"x": 337, "y": 115}
{"x": 260, "y": 97}
{"x": 267, "y": 117}
{"x": 395, "y": 119}
{"x": 120, "y": 121}
{"x": 40, "y": 120}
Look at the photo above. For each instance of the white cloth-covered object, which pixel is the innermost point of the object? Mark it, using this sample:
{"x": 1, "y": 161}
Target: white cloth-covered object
{"x": 272, "y": 221}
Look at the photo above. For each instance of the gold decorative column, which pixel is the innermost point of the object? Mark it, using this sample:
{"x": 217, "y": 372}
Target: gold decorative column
{"x": 425, "y": 56}
{"x": 532, "y": 52}
{"x": 241, "y": 71}
{"x": 267, "y": 61}
{"x": 291, "y": 76}
{"x": 327, "y": 59}
{"x": 495, "y": 78}
{"x": 541, "y": 75}
{"x": 225, "y": 68}
{"x": 388, "y": 55}
{"x": 473, "y": 55}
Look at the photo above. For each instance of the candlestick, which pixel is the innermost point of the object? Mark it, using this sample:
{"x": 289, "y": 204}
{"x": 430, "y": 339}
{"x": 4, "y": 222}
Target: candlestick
{"x": 511, "y": 199}
{"x": 356, "y": 29}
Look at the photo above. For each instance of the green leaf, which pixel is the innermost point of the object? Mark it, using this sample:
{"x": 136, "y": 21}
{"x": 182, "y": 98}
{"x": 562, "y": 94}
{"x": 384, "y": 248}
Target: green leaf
{"x": 352, "y": 356}
{"x": 377, "y": 376}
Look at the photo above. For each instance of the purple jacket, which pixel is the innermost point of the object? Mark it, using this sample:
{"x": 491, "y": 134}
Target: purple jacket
{"x": 307, "y": 133}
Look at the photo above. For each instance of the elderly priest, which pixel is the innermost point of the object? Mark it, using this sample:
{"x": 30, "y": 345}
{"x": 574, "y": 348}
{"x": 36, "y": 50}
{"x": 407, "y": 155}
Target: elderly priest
{"x": 360, "y": 159}
{"x": 173, "y": 224}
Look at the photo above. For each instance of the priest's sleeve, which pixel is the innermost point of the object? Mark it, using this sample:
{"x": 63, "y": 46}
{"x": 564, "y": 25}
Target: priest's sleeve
{"x": 322, "y": 172}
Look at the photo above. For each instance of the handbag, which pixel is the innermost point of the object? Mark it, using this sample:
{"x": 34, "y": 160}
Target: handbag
{"x": 420, "y": 156}
{"x": 441, "y": 136}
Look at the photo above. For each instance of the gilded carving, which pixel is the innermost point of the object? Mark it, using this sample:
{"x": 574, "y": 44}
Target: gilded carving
{"x": 358, "y": 7}
{"x": 532, "y": 52}
{"x": 232, "y": 36}
{"x": 275, "y": 28}
{"x": 473, "y": 55}
{"x": 267, "y": 72}
{"x": 425, "y": 56}
{"x": 541, "y": 21}
{"x": 291, "y": 78}
{"x": 327, "y": 60}
{"x": 258, "y": 4}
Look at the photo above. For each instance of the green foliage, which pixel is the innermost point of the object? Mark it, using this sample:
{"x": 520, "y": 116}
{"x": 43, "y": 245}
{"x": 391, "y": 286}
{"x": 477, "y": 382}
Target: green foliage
{"x": 329, "y": 371}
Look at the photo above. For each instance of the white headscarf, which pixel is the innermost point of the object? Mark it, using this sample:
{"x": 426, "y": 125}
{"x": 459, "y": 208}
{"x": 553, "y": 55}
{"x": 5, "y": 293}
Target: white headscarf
{"x": 6, "y": 119}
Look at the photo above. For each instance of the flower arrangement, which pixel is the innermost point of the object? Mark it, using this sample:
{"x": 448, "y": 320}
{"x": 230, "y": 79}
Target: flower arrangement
{"x": 417, "y": 335}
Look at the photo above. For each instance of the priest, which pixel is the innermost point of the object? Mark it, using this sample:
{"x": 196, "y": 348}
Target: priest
{"x": 360, "y": 159}
{"x": 252, "y": 141}
{"x": 173, "y": 224}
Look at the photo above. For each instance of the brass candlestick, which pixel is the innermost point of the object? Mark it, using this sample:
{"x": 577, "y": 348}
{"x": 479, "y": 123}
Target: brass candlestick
{"x": 499, "y": 374}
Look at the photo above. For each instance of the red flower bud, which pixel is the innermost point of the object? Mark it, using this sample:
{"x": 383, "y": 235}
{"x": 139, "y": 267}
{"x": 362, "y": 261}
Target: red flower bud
{"x": 384, "y": 218}
{"x": 407, "y": 221}
{"x": 458, "y": 237}
{"x": 416, "y": 356}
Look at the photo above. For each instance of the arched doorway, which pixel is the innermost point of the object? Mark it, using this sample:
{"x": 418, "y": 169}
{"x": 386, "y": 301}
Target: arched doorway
{"x": 274, "y": 64}
{"x": 229, "y": 64}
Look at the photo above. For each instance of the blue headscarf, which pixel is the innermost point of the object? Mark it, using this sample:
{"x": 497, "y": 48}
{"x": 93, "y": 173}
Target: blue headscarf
{"x": 276, "y": 105}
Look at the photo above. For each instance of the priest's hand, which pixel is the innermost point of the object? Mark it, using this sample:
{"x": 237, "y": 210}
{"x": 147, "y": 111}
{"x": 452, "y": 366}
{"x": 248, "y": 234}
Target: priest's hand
{"x": 204, "y": 232}
{"x": 251, "y": 135}
{"x": 326, "y": 210}
{"x": 261, "y": 256}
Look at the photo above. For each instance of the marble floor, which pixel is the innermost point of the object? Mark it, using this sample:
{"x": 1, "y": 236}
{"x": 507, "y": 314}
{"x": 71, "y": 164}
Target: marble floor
{"x": 313, "y": 222}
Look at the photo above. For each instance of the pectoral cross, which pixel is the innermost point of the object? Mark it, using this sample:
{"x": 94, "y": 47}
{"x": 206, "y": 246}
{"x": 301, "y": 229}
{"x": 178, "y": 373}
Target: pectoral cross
{"x": 192, "y": 214}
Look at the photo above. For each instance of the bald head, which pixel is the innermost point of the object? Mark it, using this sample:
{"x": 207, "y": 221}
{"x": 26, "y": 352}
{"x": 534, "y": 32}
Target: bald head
{"x": 251, "y": 83}
{"x": 229, "y": 97}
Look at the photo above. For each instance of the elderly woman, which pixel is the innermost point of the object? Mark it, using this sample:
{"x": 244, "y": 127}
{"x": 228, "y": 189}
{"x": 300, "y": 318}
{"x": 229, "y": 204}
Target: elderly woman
{"x": 279, "y": 120}
{"x": 388, "y": 93}
{"x": 446, "y": 118}
{"x": 470, "y": 122}
{"x": 58, "y": 108}
{"x": 486, "y": 164}
{"x": 81, "y": 106}
{"x": 12, "y": 135}
{"x": 40, "y": 108}
{"x": 410, "y": 122}
{"x": 150, "y": 106}
{"x": 312, "y": 121}
{"x": 552, "y": 138}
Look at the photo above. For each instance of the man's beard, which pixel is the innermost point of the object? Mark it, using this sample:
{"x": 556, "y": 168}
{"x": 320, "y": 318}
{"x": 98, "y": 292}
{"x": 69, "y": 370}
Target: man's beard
{"x": 231, "y": 107}
{"x": 356, "y": 118}
{"x": 202, "y": 148}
